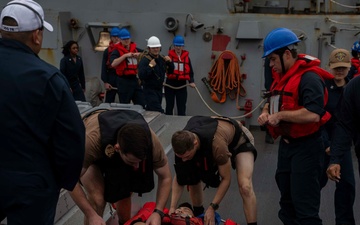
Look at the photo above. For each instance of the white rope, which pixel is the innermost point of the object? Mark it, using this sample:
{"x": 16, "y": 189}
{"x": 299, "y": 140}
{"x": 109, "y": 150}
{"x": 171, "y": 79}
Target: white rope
{"x": 333, "y": 46}
{"x": 347, "y": 6}
{"x": 197, "y": 90}
{"x": 338, "y": 22}
{"x": 176, "y": 88}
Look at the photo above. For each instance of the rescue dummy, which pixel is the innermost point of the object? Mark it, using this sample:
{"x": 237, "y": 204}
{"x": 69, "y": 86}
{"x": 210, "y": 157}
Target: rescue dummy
{"x": 183, "y": 215}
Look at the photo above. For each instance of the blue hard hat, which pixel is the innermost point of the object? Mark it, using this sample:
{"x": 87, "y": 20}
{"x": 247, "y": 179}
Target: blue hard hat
{"x": 356, "y": 46}
{"x": 115, "y": 32}
{"x": 178, "y": 40}
{"x": 277, "y": 39}
{"x": 124, "y": 34}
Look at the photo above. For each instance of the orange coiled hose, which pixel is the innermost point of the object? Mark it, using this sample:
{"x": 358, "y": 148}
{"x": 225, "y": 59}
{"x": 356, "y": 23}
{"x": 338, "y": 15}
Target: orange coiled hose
{"x": 225, "y": 78}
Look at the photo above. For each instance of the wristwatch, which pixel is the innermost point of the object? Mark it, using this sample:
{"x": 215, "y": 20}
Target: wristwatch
{"x": 214, "y": 206}
{"x": 161, "y": 213}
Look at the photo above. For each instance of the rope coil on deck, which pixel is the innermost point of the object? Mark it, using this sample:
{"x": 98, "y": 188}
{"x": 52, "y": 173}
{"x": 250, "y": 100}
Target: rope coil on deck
{"x": 225, "y": 78}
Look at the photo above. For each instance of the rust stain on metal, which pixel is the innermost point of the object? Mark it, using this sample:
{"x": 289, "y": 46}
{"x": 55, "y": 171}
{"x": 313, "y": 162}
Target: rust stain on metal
{"x": 48, "y": 55}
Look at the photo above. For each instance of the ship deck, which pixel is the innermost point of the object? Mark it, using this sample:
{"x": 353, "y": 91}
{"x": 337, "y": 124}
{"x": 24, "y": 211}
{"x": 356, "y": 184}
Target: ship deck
{"x": 231, "y": 207}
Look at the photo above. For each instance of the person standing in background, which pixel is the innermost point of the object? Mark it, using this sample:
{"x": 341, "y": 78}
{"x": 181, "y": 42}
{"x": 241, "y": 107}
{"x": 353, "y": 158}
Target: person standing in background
{"x": 124, "y": 60}
{"x": 108, "y": 73}
{"x": 346, "y": 129}
{"x": 183, "y": 72}
{"x": 355, "y": 61}
{"x": 354, "y": 72}
{"x": 42, "y": 135}
{"x": 152, "y": 69}
{"x": 344, "y": 197}
{"x": 347, "y": 124}
{"x": 71, "y": 65}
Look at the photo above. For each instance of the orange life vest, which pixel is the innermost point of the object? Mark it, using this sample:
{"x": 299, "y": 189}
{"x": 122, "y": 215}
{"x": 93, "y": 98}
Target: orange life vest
{"x": 129, "y": 65}
{"x": 110, "y": 50}
{"x": 145, "y": 212}
{"x": 287, "y": 87}
{"x": 356, "y": 63}
{"x": 181, "y": 65}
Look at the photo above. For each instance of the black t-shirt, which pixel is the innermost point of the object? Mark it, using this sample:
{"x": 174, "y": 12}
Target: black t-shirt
{"x": 311, "y": 93}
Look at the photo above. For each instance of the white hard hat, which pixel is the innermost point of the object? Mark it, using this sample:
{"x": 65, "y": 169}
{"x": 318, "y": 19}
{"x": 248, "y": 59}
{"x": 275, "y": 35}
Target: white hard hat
{"x": 153, "y": 42}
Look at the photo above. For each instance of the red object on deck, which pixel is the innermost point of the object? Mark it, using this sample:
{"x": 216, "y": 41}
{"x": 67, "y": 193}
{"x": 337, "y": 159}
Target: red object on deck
{"x": 248, "y": 107}
{"x": 230, "y": 222}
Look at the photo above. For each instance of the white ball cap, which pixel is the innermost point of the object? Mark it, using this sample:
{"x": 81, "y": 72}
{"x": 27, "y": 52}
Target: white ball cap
{"x": 28, "y": 14}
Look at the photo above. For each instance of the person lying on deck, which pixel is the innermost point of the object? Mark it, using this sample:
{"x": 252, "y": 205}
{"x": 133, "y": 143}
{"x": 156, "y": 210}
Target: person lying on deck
{"x": 183, "y": 215}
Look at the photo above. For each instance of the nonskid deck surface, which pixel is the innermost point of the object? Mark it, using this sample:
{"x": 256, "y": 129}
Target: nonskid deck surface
{"x": 231, "y": 207}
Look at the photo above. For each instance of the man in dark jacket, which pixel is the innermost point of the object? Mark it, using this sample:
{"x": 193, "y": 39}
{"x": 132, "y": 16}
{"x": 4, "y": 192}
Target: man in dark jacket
{"x": 42, "y": 136}
{"x": 152, "y": 69}
{"x": 347, "y": 125}
{"x": 108, "y": 73}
